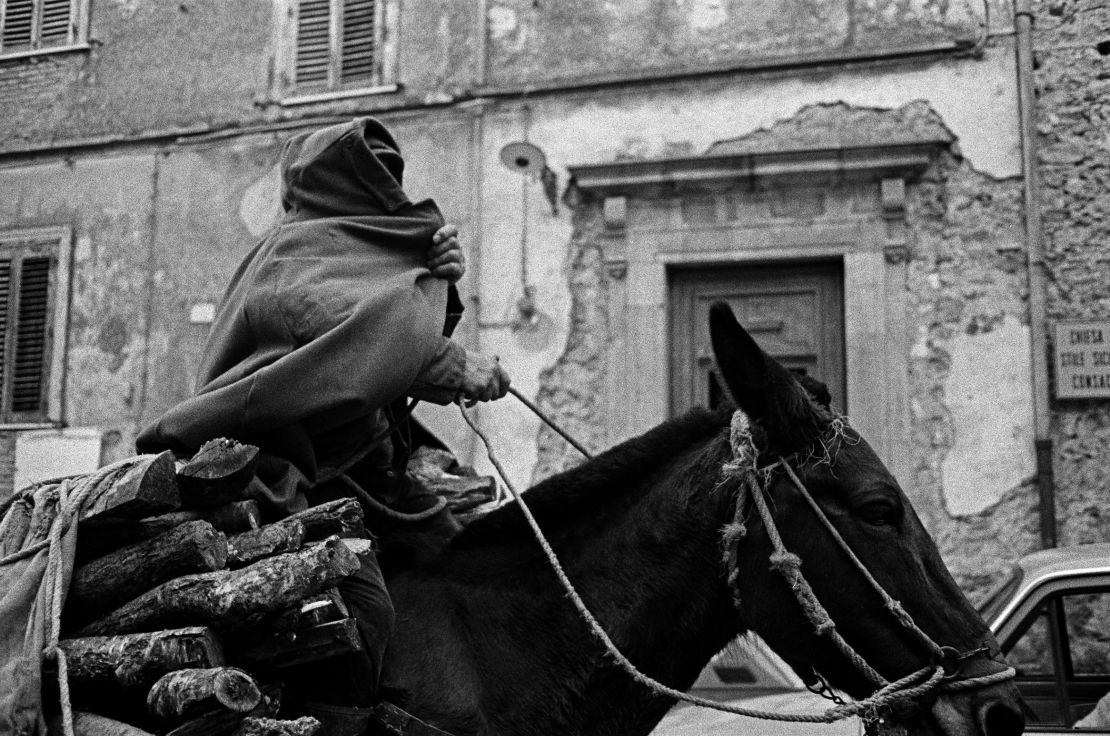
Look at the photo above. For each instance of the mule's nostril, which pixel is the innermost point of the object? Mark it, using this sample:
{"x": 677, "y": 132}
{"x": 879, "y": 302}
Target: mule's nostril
{"x": 1000, "y": 719}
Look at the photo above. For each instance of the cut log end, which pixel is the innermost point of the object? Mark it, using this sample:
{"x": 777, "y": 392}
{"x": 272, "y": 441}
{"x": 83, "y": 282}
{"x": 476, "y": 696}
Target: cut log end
{"x": 220, "y": 472}
{"x": 236, "y": 690}
{"x": 188, "y": 692}
{"x": 303, "y": 726}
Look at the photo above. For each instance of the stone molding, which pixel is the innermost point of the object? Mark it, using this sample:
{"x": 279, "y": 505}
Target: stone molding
{"x": 646, "y": 233}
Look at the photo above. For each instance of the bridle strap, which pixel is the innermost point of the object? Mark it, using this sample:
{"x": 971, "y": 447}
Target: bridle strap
{"x": 892, "y": 605}
{"x": 929, "y": 678}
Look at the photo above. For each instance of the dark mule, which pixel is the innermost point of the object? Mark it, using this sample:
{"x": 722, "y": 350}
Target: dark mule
{"x": 487, "y": 642}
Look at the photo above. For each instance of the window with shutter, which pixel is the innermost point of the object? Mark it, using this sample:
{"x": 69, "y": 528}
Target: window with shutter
{"x": 28, "y": 275}
{"x": 39, "y": 26}
{"x": 339, "y": 46}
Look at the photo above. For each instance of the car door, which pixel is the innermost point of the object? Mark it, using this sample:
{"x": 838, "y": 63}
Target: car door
{"x": 1059, "y": 641}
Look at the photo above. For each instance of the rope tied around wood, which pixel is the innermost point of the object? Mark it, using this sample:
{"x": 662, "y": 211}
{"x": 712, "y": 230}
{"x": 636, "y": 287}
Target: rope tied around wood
{"x": 71, "y": 494}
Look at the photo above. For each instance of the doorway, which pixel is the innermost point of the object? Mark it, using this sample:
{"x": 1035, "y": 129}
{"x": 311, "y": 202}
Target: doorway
{"x": 794, "y": 311}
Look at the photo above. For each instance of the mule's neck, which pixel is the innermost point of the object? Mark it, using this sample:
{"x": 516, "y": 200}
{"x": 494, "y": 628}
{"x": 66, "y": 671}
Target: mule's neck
{"x": 648, "y": 565}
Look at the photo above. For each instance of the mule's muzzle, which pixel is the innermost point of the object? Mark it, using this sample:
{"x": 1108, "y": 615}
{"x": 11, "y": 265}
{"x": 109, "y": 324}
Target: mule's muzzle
{"x": 992, "y": 711}
{"x": 999, "y": 718}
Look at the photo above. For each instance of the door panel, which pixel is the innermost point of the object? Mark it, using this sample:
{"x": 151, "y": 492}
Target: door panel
{"x": 795, "y": 313}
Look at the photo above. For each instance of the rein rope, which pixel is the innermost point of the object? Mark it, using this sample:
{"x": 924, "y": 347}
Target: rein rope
{"x": 743, "y": 465}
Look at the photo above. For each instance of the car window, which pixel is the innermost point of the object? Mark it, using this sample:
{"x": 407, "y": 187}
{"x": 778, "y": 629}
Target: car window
{"x": 1062, "y": 656}
{"x": 1031, "y": 654}
{"x": 1088, "y": 617}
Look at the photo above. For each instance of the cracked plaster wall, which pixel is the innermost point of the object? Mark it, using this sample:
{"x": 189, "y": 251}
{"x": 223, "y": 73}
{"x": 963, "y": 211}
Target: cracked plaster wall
{"x": 966, "y": 342}
{"x": 1072, "y": 44}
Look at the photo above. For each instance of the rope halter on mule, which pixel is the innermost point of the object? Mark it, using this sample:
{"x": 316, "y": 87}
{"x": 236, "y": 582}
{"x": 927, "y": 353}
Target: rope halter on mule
{"x": 940, "y": 675}
{"x": 743, "y": 465}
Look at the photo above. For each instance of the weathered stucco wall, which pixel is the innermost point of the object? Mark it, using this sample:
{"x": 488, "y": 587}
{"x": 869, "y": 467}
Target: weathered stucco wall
{"x": 535, "y": 42}
{"x": 155, "y": 67}
{"x": 970, "y": 395}
{"x": 1073, "y": 49}
{"x": 966, "y": 338}
{"x": 674, "y": 120}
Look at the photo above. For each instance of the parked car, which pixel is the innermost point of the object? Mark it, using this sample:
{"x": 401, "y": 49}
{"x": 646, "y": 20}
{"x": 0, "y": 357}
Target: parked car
{"x": 1051, "y": 616}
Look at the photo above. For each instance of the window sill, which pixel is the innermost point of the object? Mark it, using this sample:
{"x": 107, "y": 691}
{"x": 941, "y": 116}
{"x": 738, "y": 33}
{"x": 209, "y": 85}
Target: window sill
{"x": 30, "y": 426}
{"x": 45, "y": 52}
{"x": 339, "y": 94}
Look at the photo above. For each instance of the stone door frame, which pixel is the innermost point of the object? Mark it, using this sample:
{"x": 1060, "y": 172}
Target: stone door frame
{"x": 765, "y": 208}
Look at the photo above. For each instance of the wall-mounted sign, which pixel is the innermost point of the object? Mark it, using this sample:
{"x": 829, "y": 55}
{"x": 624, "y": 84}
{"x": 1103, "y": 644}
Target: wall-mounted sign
{"x": 1083, "y": 360}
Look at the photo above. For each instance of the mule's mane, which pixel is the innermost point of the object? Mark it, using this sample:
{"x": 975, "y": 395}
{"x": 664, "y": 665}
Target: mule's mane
{"x": 561, "y": 499}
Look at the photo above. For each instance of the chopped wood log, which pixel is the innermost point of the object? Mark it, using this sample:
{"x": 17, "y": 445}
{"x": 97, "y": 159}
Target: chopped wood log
{"x": 358, "y": 545}
{"x": 185, "y": 693}
{"x": 341, "y": 517}
{"x": 303, "y": 726}
{"x": 136, "y": 661}
{"x": 112, "y": 580}
{"x": 219, "y": 472}
{"x": 312, "y": 611}
{"x": 91, "y": 724}
{"x": 324, "y": 608}
{"x": 237, "y": 516}
{"x": 266, "y": 541}
{"x": 100, "y": 538}
{"x": 224, "y": 723}
{"x": 298, "y": 647}
{"x": 149, "y": 486}
{"x": 233, "y": 599}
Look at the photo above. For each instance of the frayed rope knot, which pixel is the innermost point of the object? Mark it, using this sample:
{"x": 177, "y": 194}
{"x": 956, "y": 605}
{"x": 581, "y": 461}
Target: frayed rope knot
{"x": 786, "y": 563}
{"x": 734, "y": 533}
{"x": 743, "y": 445}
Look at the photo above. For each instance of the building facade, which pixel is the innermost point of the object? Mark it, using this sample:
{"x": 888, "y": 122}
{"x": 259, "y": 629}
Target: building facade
{"x": 895, "y": 196}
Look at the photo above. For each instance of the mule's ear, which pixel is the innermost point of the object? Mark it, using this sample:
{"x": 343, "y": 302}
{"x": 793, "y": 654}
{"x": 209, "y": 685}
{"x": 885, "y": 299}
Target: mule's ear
{"x": 760, "y": 386}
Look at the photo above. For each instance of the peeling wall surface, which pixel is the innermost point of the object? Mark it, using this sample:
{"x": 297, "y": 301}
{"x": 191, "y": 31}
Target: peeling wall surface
{"x": 158, "y": 148}
{"x": 1072, "y": 118}
{"x": 987, "y": 395}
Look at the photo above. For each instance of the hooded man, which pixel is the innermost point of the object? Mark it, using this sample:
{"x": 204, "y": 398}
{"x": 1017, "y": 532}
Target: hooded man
{"x": 341, "y": 312}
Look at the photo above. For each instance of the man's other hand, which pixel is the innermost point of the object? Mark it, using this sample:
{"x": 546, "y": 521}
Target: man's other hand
{"x": 445, "y": 257}
{"x": 483, "y": 380}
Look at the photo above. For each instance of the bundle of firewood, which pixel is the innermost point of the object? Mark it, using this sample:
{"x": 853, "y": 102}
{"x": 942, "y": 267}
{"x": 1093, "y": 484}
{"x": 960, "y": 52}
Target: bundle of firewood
{"x": 184, "y": 612}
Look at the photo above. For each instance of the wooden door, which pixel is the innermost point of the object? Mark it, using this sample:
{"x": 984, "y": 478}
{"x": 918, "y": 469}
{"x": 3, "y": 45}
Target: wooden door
{"x": 795, "y": 313}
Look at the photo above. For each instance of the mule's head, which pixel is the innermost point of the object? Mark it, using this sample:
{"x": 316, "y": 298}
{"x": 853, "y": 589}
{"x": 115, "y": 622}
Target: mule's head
{"x": 864, "y": 503}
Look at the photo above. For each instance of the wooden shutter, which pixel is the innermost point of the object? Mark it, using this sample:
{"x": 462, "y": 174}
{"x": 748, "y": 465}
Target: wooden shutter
{"x": 27, "y": 273}
{"x": 54, "y": 23}
{"x": 18, "y": 18}
{"x": 358, "y": 39}
{"x": 313, "y": 42}
{"x": 5, "y": 299}
{"x": 31, "y": 331}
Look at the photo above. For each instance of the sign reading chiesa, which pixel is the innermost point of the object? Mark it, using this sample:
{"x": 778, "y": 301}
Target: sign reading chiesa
{"x": 1083, "y": 360}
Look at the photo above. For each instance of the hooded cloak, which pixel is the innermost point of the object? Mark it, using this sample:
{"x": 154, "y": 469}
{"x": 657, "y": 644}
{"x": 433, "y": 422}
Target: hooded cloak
{"x": 333, "y": 316}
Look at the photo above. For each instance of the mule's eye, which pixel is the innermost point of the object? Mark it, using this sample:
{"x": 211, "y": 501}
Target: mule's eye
{"x": 880, "y": 512}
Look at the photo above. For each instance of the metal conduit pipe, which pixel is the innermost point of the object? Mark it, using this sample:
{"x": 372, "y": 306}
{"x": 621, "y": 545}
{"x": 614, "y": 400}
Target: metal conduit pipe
{"x": 1034, "y": 248}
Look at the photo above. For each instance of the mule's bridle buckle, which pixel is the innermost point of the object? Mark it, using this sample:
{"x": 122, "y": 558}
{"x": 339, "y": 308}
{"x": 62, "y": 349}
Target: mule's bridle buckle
{"x": 951, "y": 659}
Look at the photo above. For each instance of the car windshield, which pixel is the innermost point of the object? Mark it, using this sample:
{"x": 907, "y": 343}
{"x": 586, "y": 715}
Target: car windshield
{"x": 997, "y": 599}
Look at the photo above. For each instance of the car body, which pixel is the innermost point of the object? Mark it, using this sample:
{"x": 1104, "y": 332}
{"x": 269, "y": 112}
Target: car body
{"x": 1051, "y": 616}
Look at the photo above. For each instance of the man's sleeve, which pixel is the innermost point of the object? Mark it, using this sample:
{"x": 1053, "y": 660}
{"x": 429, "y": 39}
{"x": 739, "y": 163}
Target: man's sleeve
{"x": 440, "y": 380}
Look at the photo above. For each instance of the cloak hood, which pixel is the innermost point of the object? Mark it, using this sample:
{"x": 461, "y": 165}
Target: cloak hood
{"x": 327, "y": 320}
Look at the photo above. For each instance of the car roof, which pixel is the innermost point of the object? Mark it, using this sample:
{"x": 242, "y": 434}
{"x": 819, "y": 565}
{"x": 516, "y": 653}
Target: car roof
{"x": 1065, "y": 560}
{"x": 1040, "y": 567}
